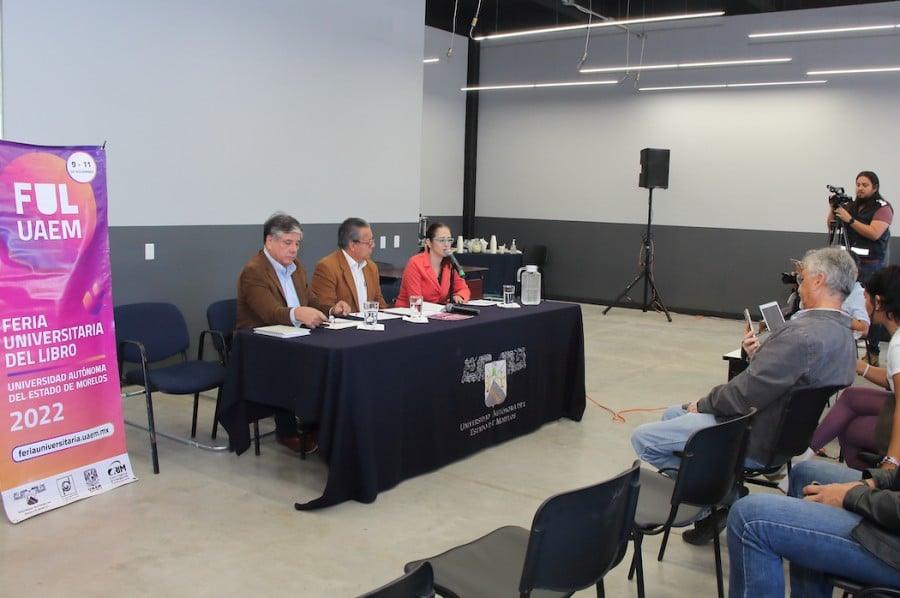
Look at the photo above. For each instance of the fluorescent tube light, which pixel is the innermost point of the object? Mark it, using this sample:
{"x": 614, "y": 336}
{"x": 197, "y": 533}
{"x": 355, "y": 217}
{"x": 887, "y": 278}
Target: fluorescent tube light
{"x": 863, "y": 28}
{"x": 729, "y": 85}
{"x": 610, "y": 23}
{"x": 536, "y": 85}
{"x": 882, "y": 69}
{"x": 683, "y": 65}
{"x": 431, "y": 60}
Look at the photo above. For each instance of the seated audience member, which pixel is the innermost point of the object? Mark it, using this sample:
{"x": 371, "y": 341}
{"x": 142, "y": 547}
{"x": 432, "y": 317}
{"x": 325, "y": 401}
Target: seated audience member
{"x": 813, "y": 349}
{"x": 347, "y": 275}
{"x": 863, "y": 419}
{"x": 844, "y": 526}
{"x": 430, "y": 273}
{"x": 272, "y": 290}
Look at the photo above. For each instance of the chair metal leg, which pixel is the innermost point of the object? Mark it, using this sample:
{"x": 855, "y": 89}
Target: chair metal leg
{"x": 256, "y": 436}
{"x": 637, "y": 562}
{"x": 601, "y": 592}
{"x": 719, "y": 581}
{"x": 662, "y": 546}
{"x": 194, "y": 419}
{"x": 151, "y": 428}
{"x": 216, "y": 414}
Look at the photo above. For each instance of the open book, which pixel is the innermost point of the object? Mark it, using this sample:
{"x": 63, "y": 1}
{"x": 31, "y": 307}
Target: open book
{"x": 281, "y": 331}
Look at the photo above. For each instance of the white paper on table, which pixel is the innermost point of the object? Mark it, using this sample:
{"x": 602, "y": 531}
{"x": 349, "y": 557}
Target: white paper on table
{"x": 482, "y": 302}
{"x": 383, "y": 314}
{"x": 427, "y": 310}
{"x": 340, "y": 324}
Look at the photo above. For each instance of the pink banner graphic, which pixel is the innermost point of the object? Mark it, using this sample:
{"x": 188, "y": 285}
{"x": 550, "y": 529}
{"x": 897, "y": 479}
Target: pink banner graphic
{"x": 61, "y": 430}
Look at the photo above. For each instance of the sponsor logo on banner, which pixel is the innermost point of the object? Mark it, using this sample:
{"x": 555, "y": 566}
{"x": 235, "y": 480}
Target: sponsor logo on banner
{"x": 66, "y": 486}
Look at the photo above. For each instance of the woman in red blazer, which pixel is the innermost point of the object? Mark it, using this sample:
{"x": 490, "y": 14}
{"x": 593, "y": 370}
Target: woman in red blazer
{"x": 430, "y": 273}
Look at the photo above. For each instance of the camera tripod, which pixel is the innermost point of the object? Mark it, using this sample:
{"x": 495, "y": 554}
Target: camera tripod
{"x": 837, "y": 234}
{"x": 646, "y": 271}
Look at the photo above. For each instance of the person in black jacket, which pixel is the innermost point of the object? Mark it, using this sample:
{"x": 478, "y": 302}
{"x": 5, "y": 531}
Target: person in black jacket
{"x": 867, "y": 220}
{"x": 832, "y": 521}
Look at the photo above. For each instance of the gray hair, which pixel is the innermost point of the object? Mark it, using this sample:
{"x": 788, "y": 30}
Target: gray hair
{"x": 838, "y": 267}
{"x": 279, "y": 224}
{"x": 349, "y": 231}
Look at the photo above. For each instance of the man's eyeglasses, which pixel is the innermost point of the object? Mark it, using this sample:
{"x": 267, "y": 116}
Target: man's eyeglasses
{"x": 444, "y": 240}
{"x": 370, "y": 242}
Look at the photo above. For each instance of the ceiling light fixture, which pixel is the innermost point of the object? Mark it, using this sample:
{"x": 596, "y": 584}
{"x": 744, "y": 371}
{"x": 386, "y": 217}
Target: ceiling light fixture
{"x": 610, "y": 23}
{"x": 430, "y": 60}
{"x": 884, "y": 69}
{"x": 729, "y": 85}
{"x": 683, "y": 65}
{"x": 860, "y": 29}
{"x": 536, "y": 85}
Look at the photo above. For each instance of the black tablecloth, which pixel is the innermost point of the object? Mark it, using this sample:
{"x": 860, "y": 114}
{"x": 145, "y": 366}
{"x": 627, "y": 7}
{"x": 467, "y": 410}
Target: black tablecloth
{"x": 394, "y": 404}
{"x": 502, "y": 268}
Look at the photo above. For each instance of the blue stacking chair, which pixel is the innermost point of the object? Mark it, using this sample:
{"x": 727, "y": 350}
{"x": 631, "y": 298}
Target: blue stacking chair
{"x": 154, "y": 339}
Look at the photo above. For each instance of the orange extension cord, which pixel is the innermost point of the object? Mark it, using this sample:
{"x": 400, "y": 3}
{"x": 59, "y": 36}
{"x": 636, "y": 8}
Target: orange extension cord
{"x": 617, "y": 415}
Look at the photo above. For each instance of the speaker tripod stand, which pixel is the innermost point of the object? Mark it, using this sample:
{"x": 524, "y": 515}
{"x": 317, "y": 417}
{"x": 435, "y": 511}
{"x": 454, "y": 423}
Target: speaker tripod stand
{"x": 646, "y": 272}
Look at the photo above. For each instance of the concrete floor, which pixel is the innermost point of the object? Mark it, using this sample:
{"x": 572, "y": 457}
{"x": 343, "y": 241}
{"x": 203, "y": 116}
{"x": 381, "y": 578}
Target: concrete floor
{"x": 212, "y": 524}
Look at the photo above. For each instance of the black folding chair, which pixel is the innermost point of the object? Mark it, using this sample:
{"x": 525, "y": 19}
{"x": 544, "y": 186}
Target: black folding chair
{"x": 575, "y": 539}
{"x": 417, "y": 583}
{"x": 708, "y": 476}
{"x": 794, "y": 431}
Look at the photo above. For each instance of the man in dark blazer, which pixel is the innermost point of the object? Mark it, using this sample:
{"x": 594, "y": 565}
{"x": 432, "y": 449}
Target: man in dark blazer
{"x": 348, "y": 274}
{"x": 272, "y": 289}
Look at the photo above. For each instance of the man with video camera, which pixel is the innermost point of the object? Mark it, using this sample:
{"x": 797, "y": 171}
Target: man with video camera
{"x": 867, "y": 221}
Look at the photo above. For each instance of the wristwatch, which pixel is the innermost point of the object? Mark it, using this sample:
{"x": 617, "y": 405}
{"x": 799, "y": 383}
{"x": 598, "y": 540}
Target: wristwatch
{"x": 892, "y": 460}
{"x": 851, "y": 221}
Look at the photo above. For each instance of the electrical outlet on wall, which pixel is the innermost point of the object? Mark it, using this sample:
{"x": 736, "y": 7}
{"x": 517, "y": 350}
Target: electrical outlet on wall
{"x": 396, "y": 241}
{"x": 382, "y": 242}
{"x": 149, "y": 251}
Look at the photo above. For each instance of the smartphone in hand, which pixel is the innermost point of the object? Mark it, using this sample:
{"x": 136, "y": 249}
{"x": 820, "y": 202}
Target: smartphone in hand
{"x": 749, "y": 320}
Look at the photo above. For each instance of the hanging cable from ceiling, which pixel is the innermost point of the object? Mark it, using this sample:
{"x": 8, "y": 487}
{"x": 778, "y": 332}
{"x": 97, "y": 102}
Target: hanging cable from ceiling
{"x": 475, "y": 19}
{"x": 587, "y": 36}
{"x": 453, "y": 29}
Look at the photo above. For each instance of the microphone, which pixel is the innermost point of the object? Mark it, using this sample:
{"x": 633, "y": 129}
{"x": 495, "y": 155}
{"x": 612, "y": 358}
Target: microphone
{"x": 456, "y": 265}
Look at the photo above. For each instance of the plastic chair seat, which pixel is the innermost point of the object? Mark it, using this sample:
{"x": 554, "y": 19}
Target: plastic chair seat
{"x": 182, "y": 378}
{"x": 656, "y": 498}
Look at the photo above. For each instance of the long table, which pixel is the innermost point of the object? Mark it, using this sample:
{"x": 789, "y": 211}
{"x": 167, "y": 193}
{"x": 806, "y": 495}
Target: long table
{"x": 405, "y": 401}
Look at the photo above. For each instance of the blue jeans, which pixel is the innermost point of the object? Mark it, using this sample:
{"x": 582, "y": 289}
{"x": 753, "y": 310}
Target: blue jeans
{"x": 764, "y": 528}
{"x": 656, "y": 442}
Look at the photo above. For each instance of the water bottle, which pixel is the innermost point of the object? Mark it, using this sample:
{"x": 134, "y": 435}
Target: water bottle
{"x": 531, "y": 284}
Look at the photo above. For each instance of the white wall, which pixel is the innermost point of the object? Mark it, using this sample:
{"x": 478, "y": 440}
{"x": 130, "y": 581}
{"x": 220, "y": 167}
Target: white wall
{"x": 741, "y": 158}
{"x": 443, "y": 124}
{"x": 222, "y": 111}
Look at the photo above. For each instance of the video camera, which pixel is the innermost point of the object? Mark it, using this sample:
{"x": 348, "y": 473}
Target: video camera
{"x": 838, "y": 199}
{"x": 789, "y": 278}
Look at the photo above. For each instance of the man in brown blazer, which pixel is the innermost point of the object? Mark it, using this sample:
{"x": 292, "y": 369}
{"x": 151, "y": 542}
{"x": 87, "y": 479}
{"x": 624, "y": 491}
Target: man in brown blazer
{"x": 272, "y": 289}
{"x": 348, "y": 274}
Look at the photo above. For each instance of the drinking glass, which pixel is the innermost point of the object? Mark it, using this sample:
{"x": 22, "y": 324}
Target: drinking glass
{"x": 370, "y": 313}
{"x": 415, "y": 307}
{"x": 509, "y": 294}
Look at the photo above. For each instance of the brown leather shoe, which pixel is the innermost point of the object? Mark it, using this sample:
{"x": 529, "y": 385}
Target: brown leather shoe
{"x": 291, "y": 442}
{"x": 311, "y": 442}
